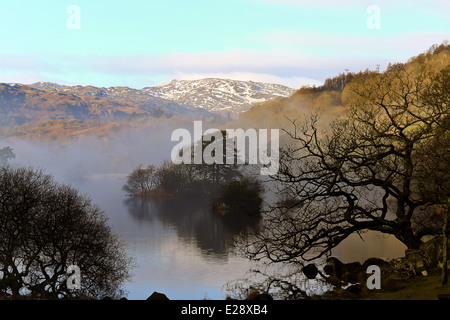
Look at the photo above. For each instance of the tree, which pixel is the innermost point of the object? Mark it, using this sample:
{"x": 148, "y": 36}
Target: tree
{"x": 6, "y": 154}
{"x": 46, "y": 227}
{"x": 200, "y": 178}
{"x": 360, "y": 175}
{"x": 433, "y": 182}
{"x": 175, "y": 178}
{"x": 141, "y": 180}
{"x": 241, "y": 197}
{"x": 217, "y": 175}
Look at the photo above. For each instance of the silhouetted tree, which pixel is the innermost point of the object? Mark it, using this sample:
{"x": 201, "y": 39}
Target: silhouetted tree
{"x": 175, "y": 178}
{"x": 218, "y": 174}
{"x": 433, "y": 168}
{"x": 360, "y": 174}
{"x": 200, "y": 178}
{"x": 141, "y": 180}
{"x": 240, "y": 197}
{"x": 46, "y": 227}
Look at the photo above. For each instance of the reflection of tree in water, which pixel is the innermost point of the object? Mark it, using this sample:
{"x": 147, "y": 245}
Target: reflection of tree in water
{"x": 140, "y": 209}
{"x": 281, "y": 281}
{"x": 193, "y": 219}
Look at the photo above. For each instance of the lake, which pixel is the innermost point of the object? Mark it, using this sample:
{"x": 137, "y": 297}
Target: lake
{"x": 180, "y": 247}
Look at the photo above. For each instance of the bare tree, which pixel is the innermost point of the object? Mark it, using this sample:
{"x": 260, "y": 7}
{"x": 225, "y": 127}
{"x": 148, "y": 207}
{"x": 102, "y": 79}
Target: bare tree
{"x": 360, "y": 175}
{"x": 45, "y": 228}
{"x": 141, "y": 180}
{"x": 433, "y": 173}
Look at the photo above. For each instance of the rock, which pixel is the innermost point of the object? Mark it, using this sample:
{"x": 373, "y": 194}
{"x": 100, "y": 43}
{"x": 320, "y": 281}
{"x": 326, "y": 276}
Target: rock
{"x": 354, "y": 289}
{"x": 334, "y": 281}
{"x": 158, "y": 296}
{"x": 422, "y": 261}
{"x": 310, "y": 271}
{"x": 401, "y": 270}
{"x": 353, "y": 272}
{"x": 344, "y": 272}
{"x": 262, "y": 296}
{"x": 432, "y": 253}
{"x": 254, "y": 294}
{"x": 328, "y": 269}
{"x": 354, "y": 267}
{"x": 384, "y": 265}
{"x": 416, "y": 261}
{"x": 335, "y": 267}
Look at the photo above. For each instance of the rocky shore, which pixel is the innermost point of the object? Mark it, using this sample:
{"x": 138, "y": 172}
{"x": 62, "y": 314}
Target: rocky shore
{"x": 415, "y": 276}
{"x": 349, "y": 280}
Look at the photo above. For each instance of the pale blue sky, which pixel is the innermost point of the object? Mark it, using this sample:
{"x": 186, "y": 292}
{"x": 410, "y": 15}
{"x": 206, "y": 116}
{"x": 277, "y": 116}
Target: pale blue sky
{"x": 139, "y": 43}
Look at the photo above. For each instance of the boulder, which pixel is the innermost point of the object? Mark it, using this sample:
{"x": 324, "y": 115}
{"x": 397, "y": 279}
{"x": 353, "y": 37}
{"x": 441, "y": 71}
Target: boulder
{"x": 158, "y": 296}
{"x": 432, "y": 253}
{"x": 334, "y": 267}
{"x": 328, "y": 269}
{"x": 310, "y": 271}
{"x": 418, "y": 262}
{"x": 354, "y": 289}
{"x": 262, "y": 296}
{"x": 383, "y": 264}
{"x": 401, "y": 270}
{"x": 343, "y": 272}
{"x": 353, "y": 272}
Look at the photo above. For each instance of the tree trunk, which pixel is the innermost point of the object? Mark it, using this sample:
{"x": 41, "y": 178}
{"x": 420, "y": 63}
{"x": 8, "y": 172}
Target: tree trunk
{"x": 407, "y": 236}
{"x": 445, "y": 246}
{"x": 444, "y": 257}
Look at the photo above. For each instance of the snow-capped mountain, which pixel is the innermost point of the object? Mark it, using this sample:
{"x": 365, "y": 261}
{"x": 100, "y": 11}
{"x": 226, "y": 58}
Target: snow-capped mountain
{"x": 208, "y": 96}
{"x": 219, "y": 95}
{"x": 21, "y": 103}
{"x": 46, "y": 101}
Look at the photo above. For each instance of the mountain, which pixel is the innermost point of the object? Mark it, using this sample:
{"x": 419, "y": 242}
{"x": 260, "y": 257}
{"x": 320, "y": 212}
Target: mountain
{"x": 20, "y": 104}
{"x": 42, "y": 101}
{"x": 219, "y": 95}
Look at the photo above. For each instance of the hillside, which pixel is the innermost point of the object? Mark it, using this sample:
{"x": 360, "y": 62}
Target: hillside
{"x": 329, "y": 99}
{"x": 20, "y": 104}
{"x": 27, "y": 109}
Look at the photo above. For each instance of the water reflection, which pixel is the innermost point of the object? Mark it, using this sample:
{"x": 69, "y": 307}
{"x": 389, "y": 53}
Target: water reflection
{"x": 181, "y": 246}
{"x": 193, "y": 219}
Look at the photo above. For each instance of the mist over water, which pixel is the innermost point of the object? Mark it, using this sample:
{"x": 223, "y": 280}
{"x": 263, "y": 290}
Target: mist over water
{"x": 180, "y": 247}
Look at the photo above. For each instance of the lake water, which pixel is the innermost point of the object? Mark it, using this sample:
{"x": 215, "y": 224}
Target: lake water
{"x": 180, "y": 247}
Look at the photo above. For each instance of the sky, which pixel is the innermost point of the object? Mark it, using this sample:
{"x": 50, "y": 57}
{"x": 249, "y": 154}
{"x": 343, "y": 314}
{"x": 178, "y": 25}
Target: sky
{"x": 140, "y": 43}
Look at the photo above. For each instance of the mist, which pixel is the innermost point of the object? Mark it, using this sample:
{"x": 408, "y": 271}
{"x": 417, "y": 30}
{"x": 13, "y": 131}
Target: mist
{"x": 71, "y": 161}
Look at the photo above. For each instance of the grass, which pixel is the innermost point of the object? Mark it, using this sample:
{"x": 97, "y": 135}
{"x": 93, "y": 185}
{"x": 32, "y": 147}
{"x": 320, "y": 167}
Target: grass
{"x": 419, "y": 288}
